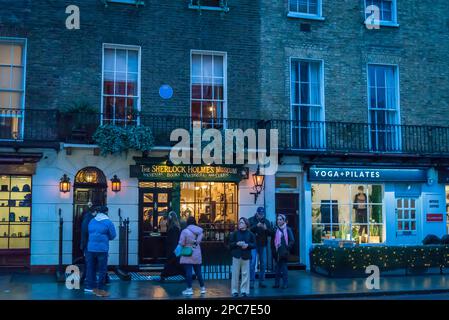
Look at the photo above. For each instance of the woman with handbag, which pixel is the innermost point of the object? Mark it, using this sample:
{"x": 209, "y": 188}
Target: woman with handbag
{"x": 190, "y": 252}
{"x": 241, "y": 243}
{"x": 283, "y": 243}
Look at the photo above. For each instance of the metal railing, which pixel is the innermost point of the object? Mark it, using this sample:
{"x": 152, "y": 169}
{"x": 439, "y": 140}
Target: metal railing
{"x": 32, "y": 125}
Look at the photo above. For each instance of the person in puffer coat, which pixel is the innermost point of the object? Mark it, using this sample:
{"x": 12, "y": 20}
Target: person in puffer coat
{"x": 191, "y": 236}
{"x": 101, "y": 231}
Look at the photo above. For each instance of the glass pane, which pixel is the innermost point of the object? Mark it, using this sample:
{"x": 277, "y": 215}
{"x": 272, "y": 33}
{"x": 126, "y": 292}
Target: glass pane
{"x": 317, "y": 233}
{"x": 344, "y": 214}
{"x": 5, "y": 54}
{"x": 320, "y": 192}
{"x": 400, "y": 215}
{"x": 406, "y": 205}
{"x": 375, "y": 233}
{"x": 340, "y": 193}
{"x": 148, "y": 197}
{"x": 109, "y": 59}
{"x": 218, "y": 66}
{"x": 196, "y": 65}
{"x": 5, "y": 77}
{"x": 120, "y": 83}
{"x": 406, "y": 214}
{"x": 316, "y": 213}
{"x": 375, "y": 213}
{"x": 162, "y": 197}
{"x": 133, "y": 61}
{"x": 286, "y": 182}
{"x": 207, "y": 66}
{"x": 120, "y": 63}
{"x": 412, "y": 203}
{"x": 108, "y": 83}
{"x": 131, "y": 89}
{"x": 413, "y": 226}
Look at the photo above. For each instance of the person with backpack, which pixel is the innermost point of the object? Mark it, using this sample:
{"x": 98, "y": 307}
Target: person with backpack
{"x": 282, "y": 244}
{"x": 190, "y": 241}
{"x": 101, "y": 231}
{"x": 241, "y": 243}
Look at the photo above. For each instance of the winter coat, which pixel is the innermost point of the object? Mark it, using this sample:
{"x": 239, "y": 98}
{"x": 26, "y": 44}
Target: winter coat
{"x": 282, "y": 253}
{"x": 87, "y": 217}
{"x": 237, "y": 251}
{"x": 187, "y": 239}
{"x": 171, "y": 241}
{"x": 260, "y": 233}
{"x": 101, "y": 231}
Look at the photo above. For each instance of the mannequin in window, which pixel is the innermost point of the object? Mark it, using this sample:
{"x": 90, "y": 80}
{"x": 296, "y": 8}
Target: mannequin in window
{"x": 361, "y": 211}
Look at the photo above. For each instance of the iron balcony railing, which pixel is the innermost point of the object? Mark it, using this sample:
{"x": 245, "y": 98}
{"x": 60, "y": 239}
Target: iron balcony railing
{"x": 37, "y": 126}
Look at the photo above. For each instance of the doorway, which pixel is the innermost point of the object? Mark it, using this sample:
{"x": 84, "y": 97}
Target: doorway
{"x": 90, "y": 188}
{"x": 155, "y": 201}
{"x": 288, "y": 204}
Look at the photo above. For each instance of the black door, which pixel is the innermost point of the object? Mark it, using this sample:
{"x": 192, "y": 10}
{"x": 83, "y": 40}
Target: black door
{"x": 155, "y": 203}
{"x": 288, "y": 204}
{"x": 83, "y": 196}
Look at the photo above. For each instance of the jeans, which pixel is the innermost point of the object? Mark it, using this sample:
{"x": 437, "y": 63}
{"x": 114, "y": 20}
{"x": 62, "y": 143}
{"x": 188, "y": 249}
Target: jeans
{"x": 189, "y": 268}
{"x": 96, "y": 262}
{"x": 262, "y": 253}
{"x": 281, "y": 271}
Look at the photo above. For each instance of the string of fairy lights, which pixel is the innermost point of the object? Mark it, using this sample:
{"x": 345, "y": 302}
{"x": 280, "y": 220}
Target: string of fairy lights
{"x": 355, "y": 260}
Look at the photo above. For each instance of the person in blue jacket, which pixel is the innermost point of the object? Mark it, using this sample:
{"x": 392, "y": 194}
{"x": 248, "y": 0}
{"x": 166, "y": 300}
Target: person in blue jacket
{"x": 101, "y": 231}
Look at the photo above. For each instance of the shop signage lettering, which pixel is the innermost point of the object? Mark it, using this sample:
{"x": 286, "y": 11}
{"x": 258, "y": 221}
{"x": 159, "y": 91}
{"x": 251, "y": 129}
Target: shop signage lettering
{"x": 434, "y": 217}
{"x": 366, "y": 175}
{"x": 158, "y": 172}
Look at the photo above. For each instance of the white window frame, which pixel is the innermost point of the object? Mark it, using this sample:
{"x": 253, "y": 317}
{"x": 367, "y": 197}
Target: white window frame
{"x": 225, "y": 80}
{"x": 21, "y": 114}
{"x": 201, "y": 7}
{"x": 139, "y": 95}
{"x": 303, "y": 15}
{"x": 385, "y": 23}
{"x": 134, "y": 2}
{"x": 398, "y": 106}
{"x": 323, "y": 106}
{"x": 409, "y": 220}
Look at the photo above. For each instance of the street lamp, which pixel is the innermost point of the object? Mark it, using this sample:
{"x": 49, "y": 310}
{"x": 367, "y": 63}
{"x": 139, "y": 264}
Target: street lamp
{"x": 64, "y": 184}
{"x": 116, "y": 184}
{"x": 258, "y": 180}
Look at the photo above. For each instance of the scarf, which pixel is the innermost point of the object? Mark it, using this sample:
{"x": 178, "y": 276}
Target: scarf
{"x": 278, "y": 237}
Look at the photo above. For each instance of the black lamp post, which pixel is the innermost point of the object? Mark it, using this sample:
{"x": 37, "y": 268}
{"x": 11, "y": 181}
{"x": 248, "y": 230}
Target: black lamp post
{"x": 64, "y": 184}
{"x": 258, "y": 180}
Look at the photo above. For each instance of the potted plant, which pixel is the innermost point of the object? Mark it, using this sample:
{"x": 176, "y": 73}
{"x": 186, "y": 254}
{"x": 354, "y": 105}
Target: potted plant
{"x": 374, "y": 232}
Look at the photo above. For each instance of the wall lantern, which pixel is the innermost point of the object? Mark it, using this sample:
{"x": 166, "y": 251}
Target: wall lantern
{"x": 64, "y": 184}
{"x": 116, "y": 184}
{"x": 258, "y": 180}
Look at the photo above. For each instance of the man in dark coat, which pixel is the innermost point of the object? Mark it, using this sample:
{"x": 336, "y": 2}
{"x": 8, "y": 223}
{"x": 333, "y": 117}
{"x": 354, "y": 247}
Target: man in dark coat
{"x": 262, "y": 229}
{"x": 88, "y": 215}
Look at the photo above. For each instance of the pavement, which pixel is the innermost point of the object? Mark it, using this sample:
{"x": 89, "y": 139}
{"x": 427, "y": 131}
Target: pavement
{"x": 302, "y": 285}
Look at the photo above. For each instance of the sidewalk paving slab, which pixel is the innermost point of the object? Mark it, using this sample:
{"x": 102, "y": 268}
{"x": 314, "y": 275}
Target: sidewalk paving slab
{"x": 303, "y": 285}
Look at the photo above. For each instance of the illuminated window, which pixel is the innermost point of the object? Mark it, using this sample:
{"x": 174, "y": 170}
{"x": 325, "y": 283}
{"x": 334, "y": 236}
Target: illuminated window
{"x": 348, "y": 212}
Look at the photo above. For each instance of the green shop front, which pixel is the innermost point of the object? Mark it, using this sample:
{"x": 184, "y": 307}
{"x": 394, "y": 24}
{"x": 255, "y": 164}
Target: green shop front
{"x": 209, "y": 193}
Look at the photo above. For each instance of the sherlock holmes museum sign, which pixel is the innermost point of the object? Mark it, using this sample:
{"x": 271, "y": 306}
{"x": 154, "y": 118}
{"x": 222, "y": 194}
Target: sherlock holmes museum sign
{"x": 162, "y": 172}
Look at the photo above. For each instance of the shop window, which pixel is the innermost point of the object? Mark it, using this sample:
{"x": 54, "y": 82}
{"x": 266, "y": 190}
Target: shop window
{"x": 406, "y": 215}
{"x": 213, "y": 204}
{"x": 121, "y": 85}
{"x": 15, "y": 212}
{"x": 347, "y": 211}
{"x": 220, "y": 5}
